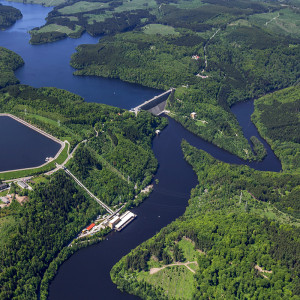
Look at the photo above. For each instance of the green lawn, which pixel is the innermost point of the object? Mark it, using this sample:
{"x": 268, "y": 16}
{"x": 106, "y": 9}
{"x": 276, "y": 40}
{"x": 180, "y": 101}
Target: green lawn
{"x": 58, "y": 28}
{"x": 159, "y": 29}
{"x": 288, "y": 22}
{"x": 82, "y": 6}
{"x": 177, "y": 281}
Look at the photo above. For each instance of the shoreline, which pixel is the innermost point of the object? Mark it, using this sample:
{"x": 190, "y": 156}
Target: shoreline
{"x": 40, "y": 131}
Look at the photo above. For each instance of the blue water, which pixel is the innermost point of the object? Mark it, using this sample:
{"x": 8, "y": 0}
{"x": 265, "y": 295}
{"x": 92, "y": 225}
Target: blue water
{"x": 22, "y": 147}
{"x": 48, "y": 64}
{"x": 86, "y": 274}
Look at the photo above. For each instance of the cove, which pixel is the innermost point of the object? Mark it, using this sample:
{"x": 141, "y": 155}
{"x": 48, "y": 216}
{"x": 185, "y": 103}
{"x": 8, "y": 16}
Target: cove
{"x": 22, "y": 147}
{"x": 47, "y": 65}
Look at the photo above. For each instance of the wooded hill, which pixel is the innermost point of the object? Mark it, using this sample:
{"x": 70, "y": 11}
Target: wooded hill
{"x": 239, "y": 235}
{"x": 9, "y": 62}
{"x": 8, "y": 16}
{"x": 34, "y": 236}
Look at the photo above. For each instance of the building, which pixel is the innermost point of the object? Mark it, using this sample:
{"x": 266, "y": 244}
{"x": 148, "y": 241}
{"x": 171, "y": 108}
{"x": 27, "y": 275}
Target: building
{"x": 3, "y": 186}
{"x": 90, "y": 226}
{"x": 193, "y": 115}
{"x": 126, "y": 218}
{"x": 22, "y": 184}
{"x": 114, "y": 221}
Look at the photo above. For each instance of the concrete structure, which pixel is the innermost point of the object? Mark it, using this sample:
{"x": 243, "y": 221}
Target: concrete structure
{"x": 115, "y": 220}
{"x": 156, "y": 105}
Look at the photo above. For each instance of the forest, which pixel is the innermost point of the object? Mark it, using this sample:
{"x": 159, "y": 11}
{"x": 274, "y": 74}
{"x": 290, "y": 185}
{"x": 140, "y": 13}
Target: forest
{"x": 9, "y": 62}
{"x": 115, "y": 163}
{"x": 231, "y": 76}
{"x": 239, "y": 242}
{"x": 8, "y": 16}
{"x": 111, "y": 17}
{"x": 277, "y": 118}
{"x": 239, "y": 236}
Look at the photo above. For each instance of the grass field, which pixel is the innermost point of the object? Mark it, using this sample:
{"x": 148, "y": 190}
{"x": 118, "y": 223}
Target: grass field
{"x": 285, "y": 21}
{"x": 58, "y": 28}
{"x": 136, "y": 4}
{"x": 82, "y": 6}
{"x": 177, "y": 281}
{"x": 98, "y": 18}
{"x": 159, "y": 29}
{"x": 188, "y": 249}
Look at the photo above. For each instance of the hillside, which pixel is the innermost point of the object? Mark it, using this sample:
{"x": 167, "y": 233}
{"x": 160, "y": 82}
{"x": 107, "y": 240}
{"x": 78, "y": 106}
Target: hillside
{"x": 9, "y": 62}
{"x": 240, "y": 232}
{"x": 8, "y": 16}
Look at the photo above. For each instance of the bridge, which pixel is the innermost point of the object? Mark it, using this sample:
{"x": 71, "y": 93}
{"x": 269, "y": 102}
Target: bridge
{"x": 156, "y": 105}
{"x": 107, "y": 208}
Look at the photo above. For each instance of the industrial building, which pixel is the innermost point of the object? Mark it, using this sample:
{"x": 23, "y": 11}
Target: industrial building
{"x": 22, "y": 184}
{"x": 126, "y": 218}
{"x": 114, "y": 221}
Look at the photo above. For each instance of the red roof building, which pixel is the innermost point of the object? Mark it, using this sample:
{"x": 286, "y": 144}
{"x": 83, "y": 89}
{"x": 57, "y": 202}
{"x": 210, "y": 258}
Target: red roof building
{"x": 90, "y": 226}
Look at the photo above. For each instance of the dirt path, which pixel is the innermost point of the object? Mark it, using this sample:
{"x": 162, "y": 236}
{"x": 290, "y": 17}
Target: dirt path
{"x": 272, "y": 20}
{"x": 155, "y": 270}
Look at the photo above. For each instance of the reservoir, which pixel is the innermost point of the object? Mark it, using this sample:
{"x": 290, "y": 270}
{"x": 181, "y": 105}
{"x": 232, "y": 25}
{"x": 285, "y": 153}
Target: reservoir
{"x": 22, "y": 147}
{"x": 86, "y": 274}
{"x": 48, "y": 64}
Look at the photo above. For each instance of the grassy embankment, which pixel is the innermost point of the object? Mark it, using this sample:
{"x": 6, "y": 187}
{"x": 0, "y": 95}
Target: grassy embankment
{"x": 36, "y": 171}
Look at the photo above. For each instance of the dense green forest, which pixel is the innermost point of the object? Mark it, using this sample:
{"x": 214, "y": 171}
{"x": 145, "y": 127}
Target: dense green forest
{"x": 115, "y": 163}
{"x": 239, "y": 237}
{"x": 37, "y": 232}
{"x": 8, "y": 16}
{"x": 233, "y": 60}
{"x": 277, "y": 117}
{"x": 236, "y": 241}
{"x": 9, "y": 61}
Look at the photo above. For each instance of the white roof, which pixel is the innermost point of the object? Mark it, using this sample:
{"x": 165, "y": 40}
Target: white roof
{"x": 114, "y": 219}
{"x": 126, "y": 217}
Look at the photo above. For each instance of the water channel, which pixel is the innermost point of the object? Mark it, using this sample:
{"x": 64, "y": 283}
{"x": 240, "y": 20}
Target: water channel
{"x": 86, "y": 274}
